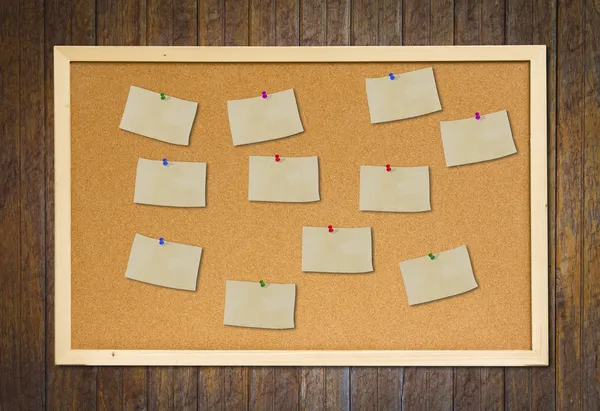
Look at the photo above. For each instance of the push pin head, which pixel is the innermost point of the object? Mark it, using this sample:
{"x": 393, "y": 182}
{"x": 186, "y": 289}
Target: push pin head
{"x": 388, "y": 168}
{"x": 330, "y": 228}
{"x": 165, "y": 162}
{"x": 262, "y": 283}
{"x": 477, "y": 115}
{"x": 161, "y": 241}
{"x": 264, "y": 94}
{"x": 392, "y": 76}
{"x": 431, "y": 256}
{"x": 277, "y": 158}
{"x": 162, "y": 96}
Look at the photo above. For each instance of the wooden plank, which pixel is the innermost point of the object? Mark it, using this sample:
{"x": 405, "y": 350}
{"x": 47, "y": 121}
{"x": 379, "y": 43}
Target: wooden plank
{"x": 185, "y": 23}
{"x": 287, "y": 23}
{"x": 363, "y": 388}
{"x": 467, "y": 394}
{"x": 314, "y": 23}
{"x": 31, "y": 138}
{"x": 262, "y": 388}
{"x": 519, "y": 30}
{"x": 591, "y": 210}
{"x": 185, "y": 388}
{"x": 160, "y": 389}
{"x": 390, "y": 23}
{"x": 65, "y": 22}
{"x": 236, "y": 388}
{"x": 286, "y": 388}
{"x": 365, "y": 20}
{"x": 211, "y": 22}
{"x": 441, "y": 29}
{"x": 569, "y": 235}
{"x": 466, "y": 22}
{"x": 262, "y": 23}
{"x": 415, "y": 23}
{"x": 338, "y": 22}
{"x": 10, "y": 207}
{"x": 237, "y": 23}
{"x": 440, "y": 386}
{"x": 134, "y": 388}
{"x": 337, "y": 388}
{"x": 390, "y": 382}
{"x": 134, "y": 22}
{"x": 414, "y": 390}
{"x": 493, "y": 21}
{"x": 543, "y": 379}
{"x": 110, "y": 389}
{"x": 210, "y": 388}
{"x": 312, "y": 388}
{"x": 492, "y": 388}
{"x": 159, "y": 22}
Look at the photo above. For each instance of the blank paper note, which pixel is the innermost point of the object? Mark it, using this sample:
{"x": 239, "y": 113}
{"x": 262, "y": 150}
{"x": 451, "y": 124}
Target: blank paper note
{"x": 470, "y": 140}
{"x": 345, "y": 250}
{"x": 169, "y": 120}
{"x": 449, "y": 273}
{"x": 169, "y": 265}
{"x": 257, "y": 119}
{"x": 402, "y": 189}
{"x": 247, "y": 304}
{"x": 289, "y": 180}
{"x": 408, "y": 95}
{"x": 177, "y": 184}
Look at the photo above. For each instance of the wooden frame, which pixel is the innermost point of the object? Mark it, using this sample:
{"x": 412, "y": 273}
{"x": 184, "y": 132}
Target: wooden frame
{"x": 535, "y": 55}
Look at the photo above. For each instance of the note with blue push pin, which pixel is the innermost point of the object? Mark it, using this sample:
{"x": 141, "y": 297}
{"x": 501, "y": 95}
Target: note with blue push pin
{"x": 170, "y": 183}
{"x": 164, "y": 263}
{"x": 402, "y": 96}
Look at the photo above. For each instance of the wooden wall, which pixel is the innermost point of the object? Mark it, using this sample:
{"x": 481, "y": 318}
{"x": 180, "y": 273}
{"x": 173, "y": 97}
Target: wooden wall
{"x": 29, "y": 29}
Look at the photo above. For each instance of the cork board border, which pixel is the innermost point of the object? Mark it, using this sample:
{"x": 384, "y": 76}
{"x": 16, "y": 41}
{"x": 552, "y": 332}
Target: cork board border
{"x": 535, "y": 55}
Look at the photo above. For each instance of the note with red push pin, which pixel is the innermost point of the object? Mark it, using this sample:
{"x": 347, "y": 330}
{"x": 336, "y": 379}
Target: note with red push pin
{"x": 350, "y": 250}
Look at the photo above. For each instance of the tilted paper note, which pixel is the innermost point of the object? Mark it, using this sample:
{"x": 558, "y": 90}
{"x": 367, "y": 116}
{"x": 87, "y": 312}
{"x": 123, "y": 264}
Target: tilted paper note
{"x": 169, "y": 265}
{"x": 169, "y": 120}
{"x": 247, "y": 304}
{"x": 257, "y": 119}
{"x": 402, "y": 189}
{"x": 177, "y": 184}
{"x": 291, "y": 179}
{"x": 345, "y": 250}
{"x": 408, "y": 95}
{"x": 470, "y": 140}
{"x": 449, "y": 273}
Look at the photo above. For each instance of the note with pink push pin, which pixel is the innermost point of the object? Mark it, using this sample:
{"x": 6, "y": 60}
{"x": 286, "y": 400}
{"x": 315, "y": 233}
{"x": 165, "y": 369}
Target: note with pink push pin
{"x": 264, "y": 117}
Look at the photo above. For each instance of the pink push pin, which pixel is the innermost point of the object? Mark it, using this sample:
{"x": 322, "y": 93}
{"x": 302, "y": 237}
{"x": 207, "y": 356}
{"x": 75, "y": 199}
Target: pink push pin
{"x": 264, "y": 94}
{"x": 277, "y": 158}
{"x": 330, "y": 227}
{"x": 477, "y": 116}
{"x": 388, "y": 168}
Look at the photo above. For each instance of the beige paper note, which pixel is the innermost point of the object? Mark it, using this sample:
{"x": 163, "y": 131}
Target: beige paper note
{"x": 257, "y": 119}
{"x": 289, "y": 180}
{"x": 471, "y": 141}
{"x": 247, "y": 304}
{"x": 345, "y": 250}
{"x": 178, "y": 184}
{"x": 403, "y": 189}
{"x": 168, "y": 120}
{"x": 409, "y": 95}
{"x": 450, "y": 273}
{"x": 170, "y": 265}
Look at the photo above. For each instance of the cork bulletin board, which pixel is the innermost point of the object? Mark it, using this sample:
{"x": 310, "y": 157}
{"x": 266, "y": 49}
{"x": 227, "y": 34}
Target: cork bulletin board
{"x": 496, "y": 208}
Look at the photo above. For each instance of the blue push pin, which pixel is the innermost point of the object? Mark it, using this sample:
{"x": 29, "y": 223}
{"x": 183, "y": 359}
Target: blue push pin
{"x": 165, "y": 162}
{"x": 392, "y": 76}
{"x": 161, "y": 241}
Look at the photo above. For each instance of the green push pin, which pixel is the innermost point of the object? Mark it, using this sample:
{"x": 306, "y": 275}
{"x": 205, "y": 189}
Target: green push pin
{"x": 162, "y": 96}
{"x": 262, "y": 283}
{"x": 431, "y": 256}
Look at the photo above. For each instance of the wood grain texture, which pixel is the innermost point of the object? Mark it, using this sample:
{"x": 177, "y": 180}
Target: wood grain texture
{"x": 591, "y": 209}
{"x": 10, "y": 207}
{"x": 569, "y": 205}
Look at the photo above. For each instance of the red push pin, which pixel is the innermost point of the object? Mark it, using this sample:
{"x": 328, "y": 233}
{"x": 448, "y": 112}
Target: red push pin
{"x": 388, "y": 168}
{"x": 477, "y": 116}
{"x": 277, "y": 158}
{"x": 330, "y": 227}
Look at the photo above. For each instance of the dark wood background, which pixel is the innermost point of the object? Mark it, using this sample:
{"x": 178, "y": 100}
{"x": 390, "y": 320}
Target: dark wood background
{"x": 29, "y": 29}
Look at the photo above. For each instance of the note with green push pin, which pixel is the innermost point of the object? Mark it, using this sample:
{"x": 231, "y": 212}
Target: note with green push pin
{"x": 162, "y": 96}
{"x": 431, "y": 256}
{"x": 262, "y": 283}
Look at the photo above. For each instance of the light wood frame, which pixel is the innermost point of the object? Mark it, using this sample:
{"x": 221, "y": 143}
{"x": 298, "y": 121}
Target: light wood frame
{"x": 535, "y": 55}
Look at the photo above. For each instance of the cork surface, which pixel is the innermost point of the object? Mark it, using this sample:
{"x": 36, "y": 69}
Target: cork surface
{"x": 485, "y": 206}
